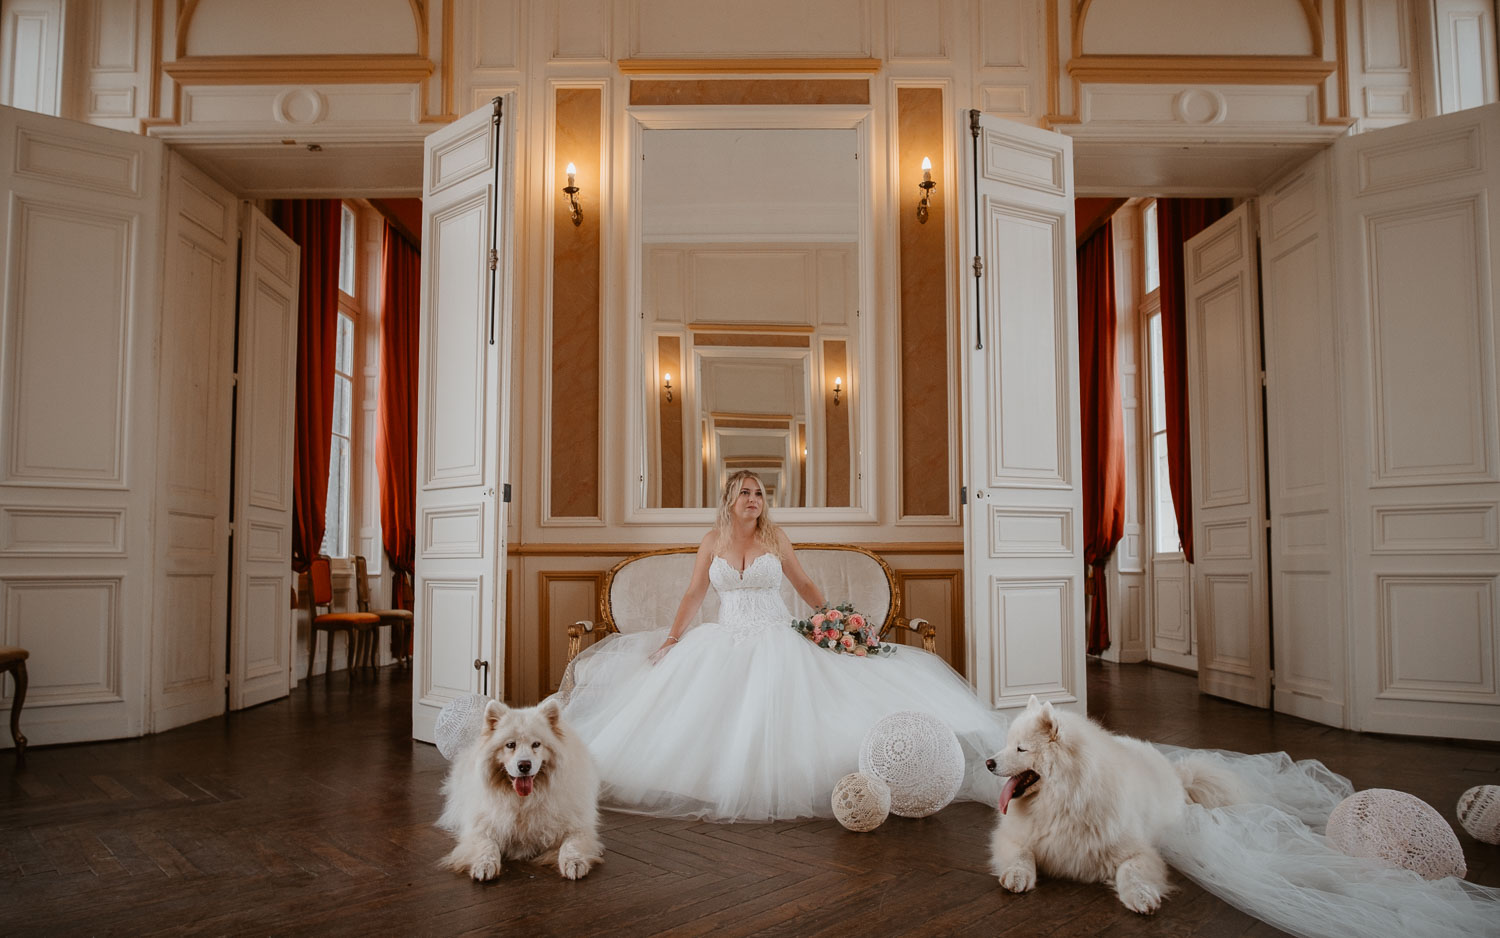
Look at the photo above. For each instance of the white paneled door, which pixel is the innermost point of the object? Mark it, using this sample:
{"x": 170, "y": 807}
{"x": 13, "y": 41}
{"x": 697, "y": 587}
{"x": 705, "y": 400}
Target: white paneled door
{"x": 79, "y": 275}
{"x": 463, "y": 410}
{"x": 1231, "y": 610}
{"x": 194, "y": 399}
{"x": 260, "y": 630}
{"x": 1024, "y": 530}
{"x": 1419, "y": 231}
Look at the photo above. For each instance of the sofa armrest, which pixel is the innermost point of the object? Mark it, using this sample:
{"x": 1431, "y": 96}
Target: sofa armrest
{"x": 575, "y": 636}
{"x": 923, "y": 628}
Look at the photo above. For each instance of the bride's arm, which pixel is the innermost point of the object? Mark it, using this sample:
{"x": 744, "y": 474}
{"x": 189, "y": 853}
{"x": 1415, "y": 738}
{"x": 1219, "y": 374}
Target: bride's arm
{"x": 693, "y": 598}
{"x": 798, "y": 577}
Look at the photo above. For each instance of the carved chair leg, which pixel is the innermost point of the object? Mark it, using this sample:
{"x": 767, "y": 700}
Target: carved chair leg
{"x": 312, "y": 649}
{"x": 19, "y": 675}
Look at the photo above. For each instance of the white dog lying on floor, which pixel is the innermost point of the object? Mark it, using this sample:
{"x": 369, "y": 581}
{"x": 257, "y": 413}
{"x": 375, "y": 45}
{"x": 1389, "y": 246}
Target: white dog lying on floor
{"x": 524, "y": 789}
{"x": 1082, "y": 803}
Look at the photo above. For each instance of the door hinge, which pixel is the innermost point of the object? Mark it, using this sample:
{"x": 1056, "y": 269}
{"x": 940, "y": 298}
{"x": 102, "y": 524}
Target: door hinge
{"x": 494, "y": 259}
{"x": 505, "y": 493}
{"x": 963, "y": 494}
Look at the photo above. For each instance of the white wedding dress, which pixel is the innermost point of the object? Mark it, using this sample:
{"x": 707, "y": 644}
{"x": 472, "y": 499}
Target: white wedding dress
{"x": 745, "y": 719}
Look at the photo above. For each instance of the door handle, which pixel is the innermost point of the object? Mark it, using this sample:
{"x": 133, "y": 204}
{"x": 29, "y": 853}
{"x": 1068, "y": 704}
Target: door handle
{"x": 483, "y": 667}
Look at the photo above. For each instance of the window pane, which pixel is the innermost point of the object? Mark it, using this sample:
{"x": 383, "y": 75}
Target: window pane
{"x": 1164, "y": 519}
{"x": 346, "y": 252}
{"x": 344, "y": 351}
{"x": 336, "y": 513}
{"x": 1153, "y": 269}
{"x": 1158, "y": 376}
{"x": 342, "y": 393}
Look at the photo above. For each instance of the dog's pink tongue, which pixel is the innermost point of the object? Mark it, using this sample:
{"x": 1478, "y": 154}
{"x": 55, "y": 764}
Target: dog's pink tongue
{"x": 523, "y": 784}
{"x": 1007, "y": 792}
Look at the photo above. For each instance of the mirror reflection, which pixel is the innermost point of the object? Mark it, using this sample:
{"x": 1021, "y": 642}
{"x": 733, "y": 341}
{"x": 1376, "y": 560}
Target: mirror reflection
{"x": 749, "y": 305}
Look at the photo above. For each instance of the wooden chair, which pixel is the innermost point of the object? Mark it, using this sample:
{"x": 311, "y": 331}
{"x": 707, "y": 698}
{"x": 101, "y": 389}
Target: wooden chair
{"x": 320, "y": 593}
{"x": 13, "y": 660}
{"x": 399, "y": 620}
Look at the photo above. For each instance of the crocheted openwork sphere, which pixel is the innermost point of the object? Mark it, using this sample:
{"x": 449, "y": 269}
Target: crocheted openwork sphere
{"x": 1399, "y": 829}
{"x": 918, "y": 758}
{"x": 457, "y": 724}
{"x": 861, "y": 802}
{"x": 1479, "y": 812}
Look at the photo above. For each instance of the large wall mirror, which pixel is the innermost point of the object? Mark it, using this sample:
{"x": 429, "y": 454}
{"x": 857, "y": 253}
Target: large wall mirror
{"x": 750, "y": 250}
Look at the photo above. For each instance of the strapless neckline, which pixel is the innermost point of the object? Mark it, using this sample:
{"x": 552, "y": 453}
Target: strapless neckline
{"x": 748, "y": 567}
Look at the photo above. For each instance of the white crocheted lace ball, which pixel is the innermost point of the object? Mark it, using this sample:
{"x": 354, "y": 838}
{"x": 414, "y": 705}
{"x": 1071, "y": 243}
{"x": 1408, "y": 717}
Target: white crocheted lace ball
{"x": 918, "y": 757}
{"x": 1479, "y": 812}
{"x": 861, "y": 802}
{"x": 458, "y": 723}
{"x": 1398, "y": 828}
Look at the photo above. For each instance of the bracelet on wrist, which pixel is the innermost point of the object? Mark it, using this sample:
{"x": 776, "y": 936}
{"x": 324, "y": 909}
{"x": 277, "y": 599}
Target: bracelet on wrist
{"x": 671, "y": 640}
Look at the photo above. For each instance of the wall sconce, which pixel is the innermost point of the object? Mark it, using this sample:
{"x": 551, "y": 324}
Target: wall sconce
{"x": 838, "y": 385}
{"x": 572, "y": 190}
{"x": 667, "y": 384}
{"x": 926, "y": 185}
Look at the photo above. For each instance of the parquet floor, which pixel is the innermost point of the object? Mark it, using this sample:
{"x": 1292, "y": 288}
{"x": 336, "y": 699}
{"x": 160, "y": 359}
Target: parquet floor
{"x": 313, "y": 815}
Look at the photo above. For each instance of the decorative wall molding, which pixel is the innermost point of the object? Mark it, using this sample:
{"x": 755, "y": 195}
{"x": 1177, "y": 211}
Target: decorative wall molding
{"x": 747, "y": 66}
{"x": 299, "y": 69}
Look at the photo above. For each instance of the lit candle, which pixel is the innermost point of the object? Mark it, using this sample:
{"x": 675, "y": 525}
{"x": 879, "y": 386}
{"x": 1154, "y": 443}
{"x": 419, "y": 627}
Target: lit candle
{"x": 838, "y": 384}
{"x": 669, "y": 377}
{"x": 572, "y": 171}
{"x": 926, "y": 169}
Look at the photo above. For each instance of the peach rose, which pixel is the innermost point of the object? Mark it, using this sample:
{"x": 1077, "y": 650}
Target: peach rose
{"x": 818, "y": 620}
{"x": 856, "y": 621}
{"x": 860, "y": 651}
{"x": 847, "y": 641}
{"x": 834, "y": 615}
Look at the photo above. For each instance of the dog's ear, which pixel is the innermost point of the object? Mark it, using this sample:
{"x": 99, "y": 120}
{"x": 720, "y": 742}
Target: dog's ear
{"x": 552, "y": 710}
{"x": 1047, "y": 722}
{"x": 494, "y": 711}
{"x": 1032, "y": 703}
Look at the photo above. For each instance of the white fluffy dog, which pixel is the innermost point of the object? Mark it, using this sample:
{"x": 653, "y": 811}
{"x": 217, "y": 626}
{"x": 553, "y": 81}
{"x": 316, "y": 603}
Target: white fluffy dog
{"x": 524, "y": 789}
{"x": 1082, "y": 803}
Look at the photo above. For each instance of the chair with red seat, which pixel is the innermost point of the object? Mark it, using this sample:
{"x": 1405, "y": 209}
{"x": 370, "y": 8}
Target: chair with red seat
{"x": 320, "y": 593}
{"x": 398, "y": 619}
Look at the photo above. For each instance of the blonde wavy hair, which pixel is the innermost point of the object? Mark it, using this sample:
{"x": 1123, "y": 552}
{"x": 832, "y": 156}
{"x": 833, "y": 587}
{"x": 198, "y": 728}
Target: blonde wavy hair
{"x": 767, "y": 532}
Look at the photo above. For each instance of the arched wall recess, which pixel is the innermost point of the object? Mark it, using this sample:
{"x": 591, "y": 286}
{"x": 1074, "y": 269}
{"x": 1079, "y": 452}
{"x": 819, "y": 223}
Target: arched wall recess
{"x": 1196, "y": 27}
{"x": 366, "y": 27}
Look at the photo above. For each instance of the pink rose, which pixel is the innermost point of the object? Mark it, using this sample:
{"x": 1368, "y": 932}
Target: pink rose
{"x": 847, "y": 641}
{"x": 860, "y": 651}
{"x": 857, "y": 621}
{"x": 818, "y": 619}
{"x": 834, "y": 615}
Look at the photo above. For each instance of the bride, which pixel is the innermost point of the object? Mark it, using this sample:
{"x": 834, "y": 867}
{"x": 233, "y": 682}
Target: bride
{"x": 745, "y": 719}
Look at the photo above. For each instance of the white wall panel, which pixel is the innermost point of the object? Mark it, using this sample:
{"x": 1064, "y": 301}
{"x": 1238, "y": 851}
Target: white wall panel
{"x": 1437, "y": 638}
{"x": 73, "y": 628}
{"x": 1035, "y": 651}
{"x": 917, "y": 29}
{"x": 1433, "y": 389}
{"x": 34, "y": 532}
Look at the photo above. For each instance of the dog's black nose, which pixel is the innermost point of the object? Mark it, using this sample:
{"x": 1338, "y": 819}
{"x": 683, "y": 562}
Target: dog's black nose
{"x": 524, "y": 766}
{"x": 989, "y": 764}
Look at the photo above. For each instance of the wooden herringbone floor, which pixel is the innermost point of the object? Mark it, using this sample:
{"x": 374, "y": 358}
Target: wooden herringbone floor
{"x": 313, "y": 815}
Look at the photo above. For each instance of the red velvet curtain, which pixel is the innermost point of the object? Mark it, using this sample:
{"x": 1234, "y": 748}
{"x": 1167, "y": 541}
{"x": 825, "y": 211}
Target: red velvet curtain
{"x": 396, "y": 412}
{"x": 1177, "y": 220}
{"x": 1103, "y": 425}
{"x": 314, "y": 225}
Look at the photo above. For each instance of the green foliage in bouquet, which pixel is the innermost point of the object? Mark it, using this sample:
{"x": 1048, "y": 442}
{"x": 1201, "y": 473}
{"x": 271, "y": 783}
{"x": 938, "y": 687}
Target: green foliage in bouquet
{"x": 843, "y": 630}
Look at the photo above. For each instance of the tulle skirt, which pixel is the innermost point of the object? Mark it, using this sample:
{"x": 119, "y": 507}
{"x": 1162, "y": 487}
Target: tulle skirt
{"x": 761, "y": 729}
{"x": 757, "y": 726}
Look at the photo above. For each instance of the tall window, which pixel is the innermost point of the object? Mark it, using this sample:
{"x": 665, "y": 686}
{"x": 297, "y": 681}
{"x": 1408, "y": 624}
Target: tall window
{"x": 336, "y": 518}
{"x": 1163, "y": 517}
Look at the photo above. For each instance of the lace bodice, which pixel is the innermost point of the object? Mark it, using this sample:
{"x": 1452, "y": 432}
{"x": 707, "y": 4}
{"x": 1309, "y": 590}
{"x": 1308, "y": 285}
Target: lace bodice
{"x": 750, "y": 603}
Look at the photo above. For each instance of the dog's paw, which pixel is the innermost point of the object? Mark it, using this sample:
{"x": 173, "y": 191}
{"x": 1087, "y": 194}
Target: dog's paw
{"x": 485, "y": 869}
{"x": 572, "y": 863}
{"x": 1018, "y": 877}
{"x": 1144, "y": 898}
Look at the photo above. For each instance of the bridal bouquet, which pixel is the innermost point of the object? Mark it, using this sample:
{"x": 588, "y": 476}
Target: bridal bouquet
{"x": 842, "y": 630}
